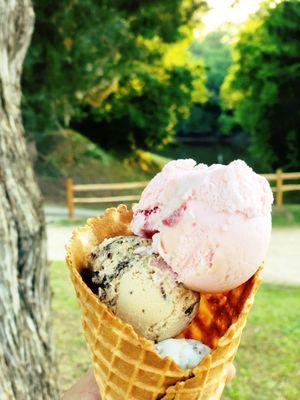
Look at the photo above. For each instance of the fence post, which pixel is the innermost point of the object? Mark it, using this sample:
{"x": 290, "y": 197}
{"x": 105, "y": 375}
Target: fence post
{"x": 279, "y": 192}
{"x": 70, "y": 196}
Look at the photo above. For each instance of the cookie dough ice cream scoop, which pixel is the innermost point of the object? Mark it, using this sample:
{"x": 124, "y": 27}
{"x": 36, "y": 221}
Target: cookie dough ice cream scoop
{"x": 140, "y": 289}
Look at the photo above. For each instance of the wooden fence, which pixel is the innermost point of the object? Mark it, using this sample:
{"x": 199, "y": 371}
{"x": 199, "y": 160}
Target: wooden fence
{"x": 71, "y": 188}
{"x": 278, "y": 178}
{"x": 279, "y": 188}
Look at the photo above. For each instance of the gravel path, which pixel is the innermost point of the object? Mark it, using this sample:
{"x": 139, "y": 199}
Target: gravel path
{"x": 283, "y": 260}
{"x": 282, "y": 264}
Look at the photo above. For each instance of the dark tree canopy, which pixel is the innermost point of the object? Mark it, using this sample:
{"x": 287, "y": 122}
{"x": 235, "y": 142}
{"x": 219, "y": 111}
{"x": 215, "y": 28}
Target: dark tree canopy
{"x": 261, "y": 85}
{"x": 139, "y": 117}
{"x": 100, "y": 64}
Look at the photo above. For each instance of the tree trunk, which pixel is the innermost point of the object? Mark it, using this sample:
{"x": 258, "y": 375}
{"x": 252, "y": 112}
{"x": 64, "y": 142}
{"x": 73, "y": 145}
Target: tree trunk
{"x": 27, "y": 368}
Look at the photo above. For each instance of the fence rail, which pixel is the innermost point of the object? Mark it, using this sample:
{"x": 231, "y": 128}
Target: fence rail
{"x": 278, "y": 178}
{"x": 72, "y": 200}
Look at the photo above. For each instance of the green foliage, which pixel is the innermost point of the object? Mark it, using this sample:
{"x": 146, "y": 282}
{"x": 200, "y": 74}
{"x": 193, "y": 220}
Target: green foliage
{"x": 150, "y": 101}
{"x": 101, "y": 64}
{"x": 261, "y": 86}
{"x": 75, "y": 46}
{"x": 215, "y": 53}
{"x": 145, "y": 116}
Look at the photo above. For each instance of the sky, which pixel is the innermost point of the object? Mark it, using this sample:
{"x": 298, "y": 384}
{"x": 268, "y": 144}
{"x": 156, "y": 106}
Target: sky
{"x": 225, "y": 11}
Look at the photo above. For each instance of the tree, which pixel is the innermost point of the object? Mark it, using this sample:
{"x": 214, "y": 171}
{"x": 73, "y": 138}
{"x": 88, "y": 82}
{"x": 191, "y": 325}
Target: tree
{"x": 86, "y": 52}
{"x": 25, "y": 345}
{"x": 261, "y": 86}
{"x": 151, "y": 100}
{"x": 215, "y": 53}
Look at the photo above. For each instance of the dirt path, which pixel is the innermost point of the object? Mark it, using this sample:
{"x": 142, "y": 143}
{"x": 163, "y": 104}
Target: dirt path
{"x": 283, "y": 260}
{"x": 282, "y": 264}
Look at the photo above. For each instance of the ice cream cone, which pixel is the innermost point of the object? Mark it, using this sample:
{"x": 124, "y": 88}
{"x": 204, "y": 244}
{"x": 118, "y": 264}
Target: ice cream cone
{"x": 126, "y": 365}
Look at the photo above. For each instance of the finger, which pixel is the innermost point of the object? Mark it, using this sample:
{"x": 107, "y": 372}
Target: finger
{"x": 84, "y": 389}
{"x": 231, "y": 373}
{"x": 92, "y": 384}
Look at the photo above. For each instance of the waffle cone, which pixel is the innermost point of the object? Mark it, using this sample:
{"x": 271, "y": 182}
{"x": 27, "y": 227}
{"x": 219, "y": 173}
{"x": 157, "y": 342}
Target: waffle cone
{"x": 126, "y": 365}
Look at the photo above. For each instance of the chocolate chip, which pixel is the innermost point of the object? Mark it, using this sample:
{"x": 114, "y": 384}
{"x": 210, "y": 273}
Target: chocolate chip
{"x": 105, "y": 283}
{"x": 109, "y": 255}
{"x": 107, "y": 247}
{"x": 121, "y": 265}
{"x": 88, "y": 276}
{"x": 101, "y": 294}
{"x": 112, "y": 302}
{"x": 190, "y": 309}
{"x": 163, "y": 292}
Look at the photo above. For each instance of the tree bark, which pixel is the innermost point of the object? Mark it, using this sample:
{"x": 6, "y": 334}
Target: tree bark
{"x": 27, "y": 367}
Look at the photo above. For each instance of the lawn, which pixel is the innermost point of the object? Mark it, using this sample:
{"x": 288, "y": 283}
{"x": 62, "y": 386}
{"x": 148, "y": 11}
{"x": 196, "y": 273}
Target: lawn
{"x": 268, "y": 361}
{"x": 287, "y": 215}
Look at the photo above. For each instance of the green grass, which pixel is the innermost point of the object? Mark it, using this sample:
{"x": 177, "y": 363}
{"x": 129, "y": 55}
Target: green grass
{"x": 72, "y": 354}
{"x": 287, "y": 215}
{"x": 268, "y": 358}
{"x": 68, "y": 153}
{"x": 72, "y": 222}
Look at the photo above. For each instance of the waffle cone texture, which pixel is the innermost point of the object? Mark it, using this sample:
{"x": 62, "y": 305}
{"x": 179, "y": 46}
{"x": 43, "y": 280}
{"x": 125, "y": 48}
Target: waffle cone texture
{"x": 126, "y": 365}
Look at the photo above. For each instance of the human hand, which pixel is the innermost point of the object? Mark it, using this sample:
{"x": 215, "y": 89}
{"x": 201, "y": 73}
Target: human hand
{"x": 231, "y": 373}
{"x": 86, "y": 387}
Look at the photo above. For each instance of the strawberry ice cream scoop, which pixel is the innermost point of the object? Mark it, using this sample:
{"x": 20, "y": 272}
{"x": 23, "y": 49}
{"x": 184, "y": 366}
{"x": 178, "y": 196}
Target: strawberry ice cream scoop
{"x": 211, "y": 225}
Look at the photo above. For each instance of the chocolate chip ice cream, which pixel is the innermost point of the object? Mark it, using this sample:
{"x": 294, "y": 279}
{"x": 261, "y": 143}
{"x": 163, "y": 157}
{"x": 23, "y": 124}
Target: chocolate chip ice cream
{"x": 140, "y": 288}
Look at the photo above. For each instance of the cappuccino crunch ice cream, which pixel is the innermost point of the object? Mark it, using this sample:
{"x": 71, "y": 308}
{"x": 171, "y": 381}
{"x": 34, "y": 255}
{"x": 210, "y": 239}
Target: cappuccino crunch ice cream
{"x": 137, "y": 287}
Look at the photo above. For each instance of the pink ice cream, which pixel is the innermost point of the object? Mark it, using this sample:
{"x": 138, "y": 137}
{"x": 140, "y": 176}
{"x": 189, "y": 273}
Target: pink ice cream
{"x": 211, "y": 225}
